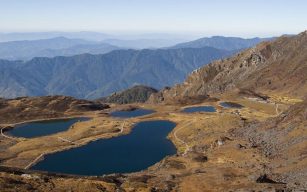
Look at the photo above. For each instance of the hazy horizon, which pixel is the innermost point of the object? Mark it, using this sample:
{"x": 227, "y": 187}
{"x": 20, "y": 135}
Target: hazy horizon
{"x": 148, "y": 35}
{"x": 194, "y": 18}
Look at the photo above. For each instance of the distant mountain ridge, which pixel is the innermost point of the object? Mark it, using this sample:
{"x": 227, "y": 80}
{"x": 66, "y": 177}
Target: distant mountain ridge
{"x": 94, "y": 76}
{"x": 97, "y": 48}
{"x": 59, "y": 46}
{"x": 142, "y": 43}
{"x": 21, "y": 36}
{"x": 87, "y": 35}
{"x": 221, "y": 42}
{"x": 62, "y": 46}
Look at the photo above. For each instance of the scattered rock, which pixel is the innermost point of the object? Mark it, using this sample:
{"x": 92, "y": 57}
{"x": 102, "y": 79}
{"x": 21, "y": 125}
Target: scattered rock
{"x": 201, "y": 158}
{"x": 200, "y": 171}
{"x": 175, "y": 164}
{"x": 239, "y": 146}
{"x": 142, "y": 178}
{"x": 220, "y": 142}
{"x": 265, "y": 179}
{"x": 28, "y": 176}
{"x": 117, "y": 179}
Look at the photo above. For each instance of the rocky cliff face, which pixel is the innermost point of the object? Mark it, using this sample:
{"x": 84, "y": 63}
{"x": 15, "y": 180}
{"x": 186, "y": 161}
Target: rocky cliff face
{"x": 278, "y": 66}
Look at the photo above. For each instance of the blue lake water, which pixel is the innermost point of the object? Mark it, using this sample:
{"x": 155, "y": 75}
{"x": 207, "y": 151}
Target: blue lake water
{"x": 231, "y": 105}
{"x": 133, "y": 113}
{"x": 42, "y": 128}
{"x": 199, "y": 109}
{"x": 146, "y": 145}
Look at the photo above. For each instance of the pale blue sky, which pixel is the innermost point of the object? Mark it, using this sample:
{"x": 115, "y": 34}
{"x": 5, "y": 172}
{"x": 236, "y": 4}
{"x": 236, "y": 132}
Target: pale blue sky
{"x": 209, "y": 17}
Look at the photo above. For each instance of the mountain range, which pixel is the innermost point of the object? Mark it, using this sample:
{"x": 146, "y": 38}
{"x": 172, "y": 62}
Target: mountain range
{"x": 63, "y": 46}
{"x": 59, "y": 46}
{"x": 94, "y": 76}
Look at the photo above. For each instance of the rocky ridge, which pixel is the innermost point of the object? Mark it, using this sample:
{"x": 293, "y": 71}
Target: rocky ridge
{"x": 279, "y": 66}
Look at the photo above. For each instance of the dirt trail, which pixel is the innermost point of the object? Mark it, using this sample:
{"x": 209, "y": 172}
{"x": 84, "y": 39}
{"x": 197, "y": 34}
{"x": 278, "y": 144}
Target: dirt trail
{"x": 6, "y": 136}
{"x": 187, "y": 147}
{"x": 276, "y": 108}
{"x": 34, "y": 161}
{"x": 66, "y": 140}
{"x": 122, "y": 127}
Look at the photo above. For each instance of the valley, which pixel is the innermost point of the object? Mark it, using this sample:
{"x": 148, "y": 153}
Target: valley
{"x": 205, "y": 148}
{"x": 153, "y": 96}
{"x": 245, "y": 130}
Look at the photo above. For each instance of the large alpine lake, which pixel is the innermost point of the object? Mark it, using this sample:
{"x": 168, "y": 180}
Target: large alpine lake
{"x": 146, "y": 145}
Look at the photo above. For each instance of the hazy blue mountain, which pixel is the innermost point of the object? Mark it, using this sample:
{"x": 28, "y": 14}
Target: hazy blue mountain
{"x": 143, "y": 43}
{"x": 99, "y": 48}
{"x": 62, "y": 46}
{"x": 14, "y": 50}
{"x": 220, "y": 42}
{"x": 87, "y": 35}
{"x": 94, "y": 76}
{"x": 91, "y": 36}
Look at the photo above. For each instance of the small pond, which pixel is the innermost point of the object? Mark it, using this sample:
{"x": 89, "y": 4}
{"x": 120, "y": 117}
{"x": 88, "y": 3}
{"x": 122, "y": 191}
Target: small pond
{"x": 231, "y": 105}
{"x": 42, "y": 128}
{"x": 131, "y": 113}
{"x": 146, "y": 145}
{"x": 199, "y": 109}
